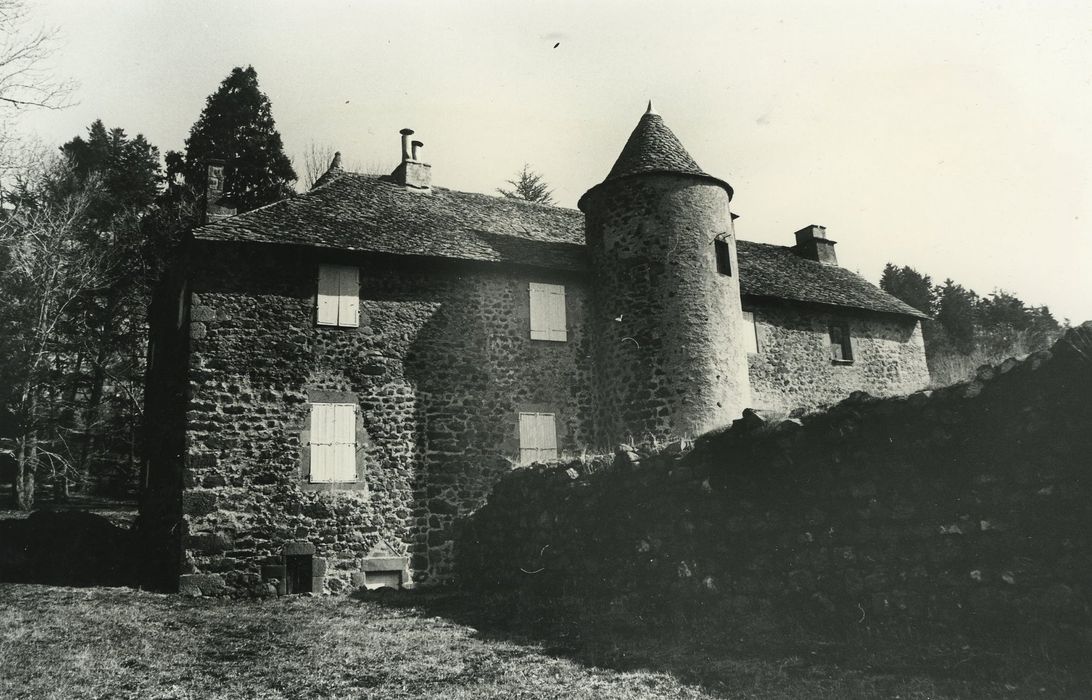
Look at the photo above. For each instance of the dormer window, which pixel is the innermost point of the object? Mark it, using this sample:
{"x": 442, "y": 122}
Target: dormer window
{"x": 338, "y": 296}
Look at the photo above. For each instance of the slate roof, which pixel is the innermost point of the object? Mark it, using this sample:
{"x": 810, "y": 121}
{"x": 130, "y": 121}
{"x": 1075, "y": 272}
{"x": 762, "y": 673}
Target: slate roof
{"x": 775, "y": 271}
{"x": 348, "y": 211}
{"x": 654, "y": 148}
{"x": 369, "y": 213}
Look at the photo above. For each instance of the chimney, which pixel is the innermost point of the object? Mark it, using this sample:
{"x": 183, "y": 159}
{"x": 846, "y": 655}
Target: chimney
{"x": 412, "y": 173}
{"x": 216, "y": 205}
{"x": 812, "y": 244}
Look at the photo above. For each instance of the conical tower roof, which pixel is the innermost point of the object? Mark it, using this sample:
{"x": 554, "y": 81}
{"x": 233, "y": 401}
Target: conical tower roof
{"x": 654, "y": 148}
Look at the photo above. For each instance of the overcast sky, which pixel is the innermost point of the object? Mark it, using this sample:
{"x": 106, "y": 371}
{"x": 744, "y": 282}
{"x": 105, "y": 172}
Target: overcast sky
{"x": 952, "y": 136}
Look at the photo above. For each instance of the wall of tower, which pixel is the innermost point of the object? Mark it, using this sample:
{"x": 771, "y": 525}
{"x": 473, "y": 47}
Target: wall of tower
{"x": 667, "y": 326}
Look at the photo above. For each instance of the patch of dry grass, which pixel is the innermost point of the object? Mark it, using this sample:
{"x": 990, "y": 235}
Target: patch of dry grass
{"x": 119, "y": 643}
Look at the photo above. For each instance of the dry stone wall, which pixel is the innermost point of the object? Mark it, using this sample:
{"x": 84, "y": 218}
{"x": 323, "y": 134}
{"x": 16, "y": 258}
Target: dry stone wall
{"x": 440, "y": 367}
{"x": 793, "y": 368}
{"x": 966, "y": 507}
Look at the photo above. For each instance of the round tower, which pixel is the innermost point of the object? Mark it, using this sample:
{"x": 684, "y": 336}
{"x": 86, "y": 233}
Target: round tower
{"x": 667, "y": 327}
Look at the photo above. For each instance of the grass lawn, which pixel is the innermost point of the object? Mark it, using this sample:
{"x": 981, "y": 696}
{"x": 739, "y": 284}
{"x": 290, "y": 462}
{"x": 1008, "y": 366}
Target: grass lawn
{"x": 120, "y": 643}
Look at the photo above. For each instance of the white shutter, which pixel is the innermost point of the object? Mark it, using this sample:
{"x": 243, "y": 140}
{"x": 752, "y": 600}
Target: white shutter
{"x": 344, "y": 439}
{"x": 333, "y": 442}
{"x": 539, "y": 299}
{"x": 349, "y": 297}
{"x": 750, "y": 332}
{"x": 548, "y": 436}
{"x": 320, "y": 442}
{"x": 547, "y": 311}
{"x": 328, "y": 293}
{"x": 557, "y": 313}
{"x": 537, "y": 437}
{"x": 526, "y": 437}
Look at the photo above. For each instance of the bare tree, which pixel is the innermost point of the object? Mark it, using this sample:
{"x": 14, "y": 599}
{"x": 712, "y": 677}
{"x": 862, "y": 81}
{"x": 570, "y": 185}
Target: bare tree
{"x": 530, "y": 186}
{"x": 45, "y": 266}
{"x": 316, "y": 161}
{"x": 25, "y": 79}
{"x": 318, "y": 158}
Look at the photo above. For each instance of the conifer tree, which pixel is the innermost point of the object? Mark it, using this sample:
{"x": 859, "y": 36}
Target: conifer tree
{"x": 237, "y": 127}
{"x": 530, "y": 186}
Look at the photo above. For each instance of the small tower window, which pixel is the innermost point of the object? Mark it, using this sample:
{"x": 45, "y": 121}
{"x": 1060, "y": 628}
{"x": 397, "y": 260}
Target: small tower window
{"x": 724, "y": 256}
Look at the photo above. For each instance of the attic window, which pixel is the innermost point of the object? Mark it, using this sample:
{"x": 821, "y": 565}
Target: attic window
{"x": 724, "y": 256}
{"x": 841, "y": 343}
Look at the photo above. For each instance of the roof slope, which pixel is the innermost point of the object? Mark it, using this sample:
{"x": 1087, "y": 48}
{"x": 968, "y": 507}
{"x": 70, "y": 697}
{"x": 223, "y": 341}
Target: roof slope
{"x": 776, "y": 271}
{"x": 369, "y": 213}
{"x": 652, "y": 147}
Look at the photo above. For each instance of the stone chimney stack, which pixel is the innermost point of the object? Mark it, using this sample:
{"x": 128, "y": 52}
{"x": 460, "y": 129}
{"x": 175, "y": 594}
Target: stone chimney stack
{"x": 412, "y": 173}
{"x": 216, "y": 205}
{"x": 812, "y": 244}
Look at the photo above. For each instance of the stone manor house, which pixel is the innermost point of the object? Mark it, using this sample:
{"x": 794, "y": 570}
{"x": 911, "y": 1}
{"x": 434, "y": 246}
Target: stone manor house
{"x": 336, "y": 378}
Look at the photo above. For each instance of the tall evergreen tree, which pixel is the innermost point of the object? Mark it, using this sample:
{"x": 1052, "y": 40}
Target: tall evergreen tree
{"x": 957, "y": 314}
{"x": 237, "y": 127}
{"x": 910, "y": 286}
{"x": 530, "y": 186}
{"x": 128, "y": 169}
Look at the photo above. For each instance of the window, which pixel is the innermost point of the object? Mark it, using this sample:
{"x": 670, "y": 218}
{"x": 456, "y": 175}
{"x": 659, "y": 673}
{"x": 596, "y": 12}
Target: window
{"x": 338, "y": 296}
{"x": 548, "y": 312}
{"x": 537, "y": 438}
{"x": 841, "y": 343}
{"x": 333, "y": 442}
{"x": 724, "y": 256}
{"x": 750, "y": 333}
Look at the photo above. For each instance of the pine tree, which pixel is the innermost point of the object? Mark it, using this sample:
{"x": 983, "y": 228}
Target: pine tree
{"x": 237, "y": 127}
{"x": 530, "y": 186}
{"x": 957, "y": 314}
{"x": 910, "y": 286}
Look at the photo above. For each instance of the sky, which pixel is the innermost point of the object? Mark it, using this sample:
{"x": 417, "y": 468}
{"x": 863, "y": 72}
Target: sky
{"x": 954, "y": 136}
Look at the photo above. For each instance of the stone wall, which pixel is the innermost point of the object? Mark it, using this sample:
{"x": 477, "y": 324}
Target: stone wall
{"x": 793, "y": 367}
{"x": 440, "y": 367}
{"x": 965, "y": 507}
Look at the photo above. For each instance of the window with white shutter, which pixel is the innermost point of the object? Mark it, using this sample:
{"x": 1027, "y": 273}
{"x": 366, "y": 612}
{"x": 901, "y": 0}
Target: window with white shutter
{"x": 333, "y": 442}
{"x": 338, "y": 296}
{"x": 750, "y": 332}
{"x": 537, "y": 438}
{"x": 547, "y": 312}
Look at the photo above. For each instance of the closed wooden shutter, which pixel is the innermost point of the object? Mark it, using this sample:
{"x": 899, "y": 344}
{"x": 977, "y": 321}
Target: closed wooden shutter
{"x": 329, "y": 284}
{"x": 537, "y": 437}
{"x": 338, "y": 296}
{"x": 750, "y": 332}
{"x": 333, "y": 442}
{"x": 349, "y": 297}
{"x": 547, "y": 311}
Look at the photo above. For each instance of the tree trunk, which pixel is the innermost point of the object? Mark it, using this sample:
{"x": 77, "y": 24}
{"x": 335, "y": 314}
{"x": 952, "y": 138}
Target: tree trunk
{"x": 27, "y": 460}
